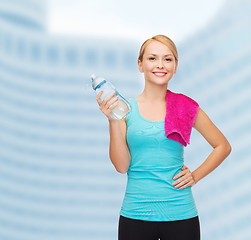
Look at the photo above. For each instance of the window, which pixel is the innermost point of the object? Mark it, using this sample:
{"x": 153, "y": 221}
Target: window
{"x": 21, "y": 48}
{"x": 35, "y": 52}
{"x": 110, "y": 59}
{"x": 7, "y": 44}
{"x": 71, "y": 56}
{"x": 90, "y": 57}
{"x": 130, "y": 60}
{"x": 52, "y": 54}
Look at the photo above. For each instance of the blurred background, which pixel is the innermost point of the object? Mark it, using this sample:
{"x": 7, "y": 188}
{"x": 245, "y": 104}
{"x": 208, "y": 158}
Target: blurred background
{"x": 56, "y": 178}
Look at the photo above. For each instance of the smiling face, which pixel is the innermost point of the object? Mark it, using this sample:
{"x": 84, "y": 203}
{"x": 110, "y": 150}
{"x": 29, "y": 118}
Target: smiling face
{"x": 158, "y": 64}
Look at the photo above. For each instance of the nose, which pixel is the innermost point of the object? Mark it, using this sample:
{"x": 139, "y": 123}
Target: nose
{"x": 160, "y": 64}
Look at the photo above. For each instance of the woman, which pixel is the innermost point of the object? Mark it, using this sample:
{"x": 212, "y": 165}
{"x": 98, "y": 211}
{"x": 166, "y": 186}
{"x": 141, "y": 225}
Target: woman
{"x": 158, "y": 202}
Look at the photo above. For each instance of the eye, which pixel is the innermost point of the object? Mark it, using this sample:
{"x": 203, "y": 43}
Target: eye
{"x": 151, "y": 58}
{"x": 168, "y": 59}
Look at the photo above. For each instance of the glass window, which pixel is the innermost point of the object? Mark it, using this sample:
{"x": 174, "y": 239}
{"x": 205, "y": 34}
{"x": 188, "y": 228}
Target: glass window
{"x": 52, "y": 54}
{"x": 71, "y": 56}
{"x": 110, "y": 58}
{"x": 35, "y": 52}
{"x": 90, "y": 57}
{"x": 7, "y": 44}
{"x": 130, "y": 60}
{"x": 21, "y": 48}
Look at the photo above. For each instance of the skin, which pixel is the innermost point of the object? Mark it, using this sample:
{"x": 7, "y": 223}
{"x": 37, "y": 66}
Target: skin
{"x": 155, "y": 86}
{"x": 107, "y": 105}
{"x": 152, "y": 102}
{"x": 154, "y": 95}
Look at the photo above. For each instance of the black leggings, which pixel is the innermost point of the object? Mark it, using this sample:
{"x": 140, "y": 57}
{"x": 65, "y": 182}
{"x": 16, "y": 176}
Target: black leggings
{"x": 134, "y": 229}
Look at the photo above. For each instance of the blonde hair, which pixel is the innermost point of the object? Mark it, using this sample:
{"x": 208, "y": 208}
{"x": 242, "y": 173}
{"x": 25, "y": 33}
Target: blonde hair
{"x": 163, "y": 39}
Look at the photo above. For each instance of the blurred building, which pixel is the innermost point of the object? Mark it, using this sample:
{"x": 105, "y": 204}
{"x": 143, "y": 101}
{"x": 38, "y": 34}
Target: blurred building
{"x": 56, "y": 178}
{"x": 215, "y": 70}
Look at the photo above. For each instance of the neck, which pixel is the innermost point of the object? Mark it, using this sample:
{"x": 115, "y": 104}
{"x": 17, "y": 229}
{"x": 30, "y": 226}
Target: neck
{"x": 153, "y": 93}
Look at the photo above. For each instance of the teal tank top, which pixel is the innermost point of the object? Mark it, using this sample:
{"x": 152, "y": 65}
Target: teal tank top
{"x": 155, "y": 160}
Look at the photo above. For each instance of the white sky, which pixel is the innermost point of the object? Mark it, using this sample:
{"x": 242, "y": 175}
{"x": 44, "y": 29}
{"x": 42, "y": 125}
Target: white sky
{"x": 133, "y": 19}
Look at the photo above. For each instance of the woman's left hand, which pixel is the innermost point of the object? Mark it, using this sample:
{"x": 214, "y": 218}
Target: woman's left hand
{"x": 186, "y": 180}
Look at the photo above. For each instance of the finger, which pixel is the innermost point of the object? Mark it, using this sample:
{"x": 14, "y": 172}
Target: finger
{"x": 112, "y": 106}
{"x": 98, "y": 96}
{"x": 179, "y": 180}
{"x": 100, "y": 93}
{"x": 185, "y": 173}
{"x": 187, "y": 180}
{"x": 179, "y": 174}
{"x": 186, "y": 185}
{"x": 112, "y": 101}
{"x": 107, "y": 98}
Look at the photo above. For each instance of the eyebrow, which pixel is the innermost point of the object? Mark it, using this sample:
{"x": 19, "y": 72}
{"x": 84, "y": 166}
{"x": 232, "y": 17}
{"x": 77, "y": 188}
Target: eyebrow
{"x": 156, "y": 55}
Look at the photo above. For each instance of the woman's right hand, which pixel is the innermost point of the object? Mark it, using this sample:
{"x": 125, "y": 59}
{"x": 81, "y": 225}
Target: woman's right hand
{"x": 107, "y": 105}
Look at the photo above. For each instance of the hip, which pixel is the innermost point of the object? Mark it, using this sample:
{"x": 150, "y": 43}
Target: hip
{"x": 167, "y": 208}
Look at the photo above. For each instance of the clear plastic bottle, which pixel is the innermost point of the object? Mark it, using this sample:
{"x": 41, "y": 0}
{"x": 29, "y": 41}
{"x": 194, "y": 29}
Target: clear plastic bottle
{"x": 123, "y": 108}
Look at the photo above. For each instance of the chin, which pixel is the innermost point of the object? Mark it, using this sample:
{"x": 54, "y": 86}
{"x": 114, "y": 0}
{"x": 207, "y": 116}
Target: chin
{"x": 160, "y": 83}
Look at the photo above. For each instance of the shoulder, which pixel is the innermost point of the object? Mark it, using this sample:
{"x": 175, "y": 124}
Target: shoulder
{"x": 185, "y": 99}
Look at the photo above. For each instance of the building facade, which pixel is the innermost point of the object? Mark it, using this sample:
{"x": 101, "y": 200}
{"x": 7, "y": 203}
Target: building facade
{"x": 56, "y": 178}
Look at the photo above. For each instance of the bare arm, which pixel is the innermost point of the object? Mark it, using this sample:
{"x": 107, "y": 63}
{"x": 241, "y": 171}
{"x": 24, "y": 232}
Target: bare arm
{"x": 119, "y": 152}
{"x": 216, "y": 139}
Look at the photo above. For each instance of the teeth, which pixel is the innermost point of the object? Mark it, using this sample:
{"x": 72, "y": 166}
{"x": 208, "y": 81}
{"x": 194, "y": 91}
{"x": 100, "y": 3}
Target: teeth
{"x": 159, "y": 74}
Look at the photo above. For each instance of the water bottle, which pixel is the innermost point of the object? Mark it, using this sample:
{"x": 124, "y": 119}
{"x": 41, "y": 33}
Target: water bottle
{"x": 123, "y": 108}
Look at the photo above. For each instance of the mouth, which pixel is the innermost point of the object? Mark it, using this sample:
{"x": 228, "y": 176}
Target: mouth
{"x": 159, "y": 74}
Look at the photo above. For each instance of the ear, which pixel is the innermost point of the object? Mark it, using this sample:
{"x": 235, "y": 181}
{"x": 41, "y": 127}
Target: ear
{"x": 140, "y": 66}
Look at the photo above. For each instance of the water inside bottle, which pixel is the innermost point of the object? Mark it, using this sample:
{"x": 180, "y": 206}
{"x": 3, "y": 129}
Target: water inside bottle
{"x": 121, "y": 109}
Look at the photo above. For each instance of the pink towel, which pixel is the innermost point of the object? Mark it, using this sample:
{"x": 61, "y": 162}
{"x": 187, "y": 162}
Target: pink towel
{"x": 181, "y": 112}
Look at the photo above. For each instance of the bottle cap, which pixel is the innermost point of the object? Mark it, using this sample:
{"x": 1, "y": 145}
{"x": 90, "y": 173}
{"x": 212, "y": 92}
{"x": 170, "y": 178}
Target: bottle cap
{"x": 93, "y": 76}
{"x": 96, "y": 81}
